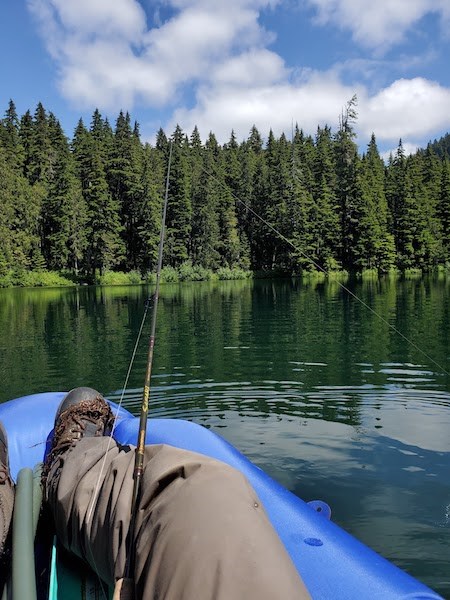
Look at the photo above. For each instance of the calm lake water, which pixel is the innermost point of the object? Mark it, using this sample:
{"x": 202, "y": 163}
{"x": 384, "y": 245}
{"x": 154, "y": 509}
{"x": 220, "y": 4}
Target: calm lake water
{"x": 306, "y": 381}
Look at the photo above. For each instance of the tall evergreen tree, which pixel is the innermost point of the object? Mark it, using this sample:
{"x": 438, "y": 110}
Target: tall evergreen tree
{"x": 347, "y": 189}
{"x": 444, "y": 209}
{"x": 233, "y": 180}
{"x": 374, "y": 246}
{"x": 179, "y": 210}
{"x": 125, "y": 180}
{"x": 327, "y": 231}
{"x": 10, "y": 137}
{"x": 19, "y": 219}
{"x": 65, "y": 211}
{"x": 205, "y": 206}
{"x": 148, "y": 215}
{"x": 104, "y": 246}
{"x": 302, "y": 208}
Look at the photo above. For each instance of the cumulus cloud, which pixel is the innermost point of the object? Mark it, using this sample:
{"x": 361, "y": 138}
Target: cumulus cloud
{"x": 223, "y": 107}
{"x": 407, "y": 108}
{"x": 379, "y": 24}
{"x": 107, "y": 55}
{"x": 209, "y": 62}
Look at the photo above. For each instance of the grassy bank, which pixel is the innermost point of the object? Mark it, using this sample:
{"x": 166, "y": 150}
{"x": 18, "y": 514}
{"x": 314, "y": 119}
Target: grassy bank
{"x": 188, "y": 272}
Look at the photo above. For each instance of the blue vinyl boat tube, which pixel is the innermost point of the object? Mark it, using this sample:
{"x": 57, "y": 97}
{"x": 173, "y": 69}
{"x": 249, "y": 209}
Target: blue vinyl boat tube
{"x": 331, "y": 562}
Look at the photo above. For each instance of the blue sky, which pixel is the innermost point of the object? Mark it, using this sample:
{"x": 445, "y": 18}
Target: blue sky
{"x": 229, "y": 64}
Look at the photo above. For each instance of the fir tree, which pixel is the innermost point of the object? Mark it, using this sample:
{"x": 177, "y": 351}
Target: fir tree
{"x": 347, "y": 189}
{"x": 444, "y": 209}
{"x": 10, "y": 137}
{"x": 179, "y": 210}
{"x": 374, "y": 247}
{"x": 327, "y": 235}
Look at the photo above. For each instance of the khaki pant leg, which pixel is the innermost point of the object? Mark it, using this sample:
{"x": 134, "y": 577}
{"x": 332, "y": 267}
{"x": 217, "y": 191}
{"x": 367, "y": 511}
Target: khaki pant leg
{"x": 201, "y": 533}
{"x": 89, "y": 490}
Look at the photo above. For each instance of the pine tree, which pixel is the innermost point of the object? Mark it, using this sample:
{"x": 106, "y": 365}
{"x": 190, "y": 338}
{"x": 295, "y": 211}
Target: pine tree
{"x": 10, "y": 137}
{"x": 347, "y": 189}
{"x": 233, "y": 181}
{"x": 40, "y": 155}
{"x": 179, "y": 210}
{"x": 65, "y": 211}
{"x": 444, "y": 208}
{"x": 25, "y": 136}
{"x": 327, "y": 231}
{"x": 162, "y": 144}
{"x": 149, "y": 209}
{"x": 104, "y": 247}
{"x": 205, "y": 207}
{"x": 124, "y": 173}
{"x": 374, "y": 246}
{"x": 302, "y": 208}
{"x": 279, "y": 206}
{"x": 19, "y": 219}
{"x": 254, "y": 191}
{"x": 415, "y": 244}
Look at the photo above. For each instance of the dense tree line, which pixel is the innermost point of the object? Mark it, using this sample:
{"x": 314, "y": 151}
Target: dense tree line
{"x": 94, "y": 203}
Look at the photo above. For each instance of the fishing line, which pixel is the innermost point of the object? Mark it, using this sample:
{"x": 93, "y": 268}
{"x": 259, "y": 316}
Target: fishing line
{"x": 329, "y": 275}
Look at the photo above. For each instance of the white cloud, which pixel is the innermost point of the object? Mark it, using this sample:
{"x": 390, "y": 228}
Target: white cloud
{"x": 217, "y": 51}
{"x": 251, "y": 69}
{"x": 223, "y": 107}
{"x": 411, "y": 109}
{"x": 107, "y": 56}
{"x": 407, "y": 108}
{"x": 379, "y": 24}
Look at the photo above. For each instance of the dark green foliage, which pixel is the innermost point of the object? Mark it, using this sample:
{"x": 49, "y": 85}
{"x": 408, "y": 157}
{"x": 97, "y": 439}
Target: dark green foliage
{"x": 179, "y": 211}
{"x": 104, "y": 247}
{"x": 93, "y": 206}
{"x": 374, "y": 248}
{"x": 348, "y": 190}
{"x": 10, "y": 137}
{"x": 443, "y": 209}
{"x": 442, "y": 146}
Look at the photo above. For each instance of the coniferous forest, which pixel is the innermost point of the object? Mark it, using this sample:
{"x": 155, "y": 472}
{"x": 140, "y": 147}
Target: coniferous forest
{"x": 93, "y": 204}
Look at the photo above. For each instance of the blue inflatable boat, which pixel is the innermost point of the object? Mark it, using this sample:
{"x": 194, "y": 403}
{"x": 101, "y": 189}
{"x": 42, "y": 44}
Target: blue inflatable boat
{"x": 332, "y": 563}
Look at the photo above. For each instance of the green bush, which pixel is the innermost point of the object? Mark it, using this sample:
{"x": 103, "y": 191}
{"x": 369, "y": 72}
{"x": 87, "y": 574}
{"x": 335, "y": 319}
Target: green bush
{"x": 188, "y": 272}
{"x": 119, "y": 278}
{"x": 169, "y": 275}
{"x": 21, "y": 278}
{"x": 412, "y": 273}
{"x": 135, "y": 277}
{"x": 6, "y": 280}
{"x": 225, "y": 273}
{"x": 313, "y": 275}
{"x": 368, "y": 274}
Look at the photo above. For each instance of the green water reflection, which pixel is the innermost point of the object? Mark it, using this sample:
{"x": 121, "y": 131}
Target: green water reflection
{"x": 309, "y": 383}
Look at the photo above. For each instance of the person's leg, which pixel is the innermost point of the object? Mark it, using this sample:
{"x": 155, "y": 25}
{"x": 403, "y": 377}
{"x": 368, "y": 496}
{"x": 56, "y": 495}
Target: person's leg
{"x": 201, "y": 532}
{"x": 90, "y": 502}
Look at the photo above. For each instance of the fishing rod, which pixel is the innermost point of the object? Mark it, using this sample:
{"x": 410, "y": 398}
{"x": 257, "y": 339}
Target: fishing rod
{"x": 140, "y": 447}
